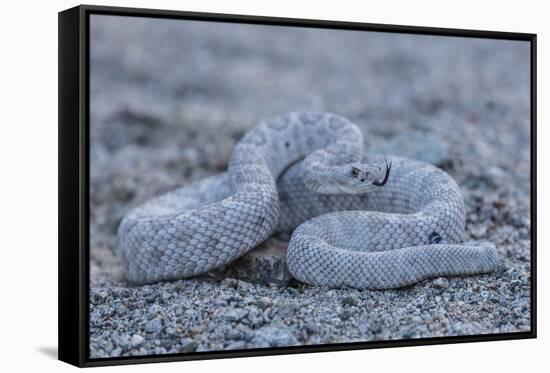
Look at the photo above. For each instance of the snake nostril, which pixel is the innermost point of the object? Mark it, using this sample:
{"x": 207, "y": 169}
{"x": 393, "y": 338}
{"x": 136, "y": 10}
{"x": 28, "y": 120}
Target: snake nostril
{"x": 362, "y": 180}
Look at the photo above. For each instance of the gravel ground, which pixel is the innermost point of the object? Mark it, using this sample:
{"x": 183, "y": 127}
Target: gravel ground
{"x": 169, "y": 100}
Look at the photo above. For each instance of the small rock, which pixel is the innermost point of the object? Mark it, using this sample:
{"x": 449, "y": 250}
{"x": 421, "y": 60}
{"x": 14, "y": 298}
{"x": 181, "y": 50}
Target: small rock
{"x": 233, "y": 299}
{"x": 440, "y": 283}
{"x": 376, "y": 326}
{"x": 160, "y": 350}
{"x": 286, "y": 309}
{"x": 99, "y": 296}
{"x": 273, "y": 336}
{"x": 255, "y": 318}
{"x": 440, "y": 315}
{"x": 494, "y": 300}
{"x": 311, "y": 327}
{"x": 495, "y": 174}
{"x": 122, "y": 341}
{"x": 230, "y": 282}
{"x": 345, "y": 315}
{"x": 187, "y": 345}
{"x": 349, "y": 301}
{"x": 478, "y": 231}
{"x": 137, "y": 340}
{"x": 237, "y": 345}
{"x": 153, "y": 326}
{"x": 263, "y": 302}
{"x": 116, "y": 352}
{"x": 235, "y": 314}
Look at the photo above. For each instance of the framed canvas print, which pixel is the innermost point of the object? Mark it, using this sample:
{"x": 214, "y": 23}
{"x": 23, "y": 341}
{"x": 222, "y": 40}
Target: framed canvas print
{"x": 234, "y": 186}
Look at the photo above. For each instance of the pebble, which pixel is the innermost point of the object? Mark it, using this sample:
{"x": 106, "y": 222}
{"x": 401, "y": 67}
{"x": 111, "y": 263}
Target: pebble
{"x": 263, "y": 302}
{"x": 235, "y": 314}
{"x": 153, "y": 326}
{"x": 137, "y": 340}
{"x": 440, "y": 283}
{"x": 237, "y": 345}
{"x": 376, "y": 326}
{"x": 286, "y": 309}
{"x": 187, "y": 345}
{"x": 349, "y": 301}
{"x": 346, "y": 315}
{"x": 230, "y": 282}
{"x": 274, "y": 336}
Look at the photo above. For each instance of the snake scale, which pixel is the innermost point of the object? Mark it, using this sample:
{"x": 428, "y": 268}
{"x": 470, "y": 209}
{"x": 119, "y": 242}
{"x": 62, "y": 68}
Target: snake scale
{"x": 357, "y": 221}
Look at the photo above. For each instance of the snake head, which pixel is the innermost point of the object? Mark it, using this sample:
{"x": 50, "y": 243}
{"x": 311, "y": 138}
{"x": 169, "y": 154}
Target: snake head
{"x": 361, "y": 178}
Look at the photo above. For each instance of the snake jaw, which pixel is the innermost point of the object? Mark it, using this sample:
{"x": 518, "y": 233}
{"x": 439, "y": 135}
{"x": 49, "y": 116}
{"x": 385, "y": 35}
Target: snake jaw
{"x": 386, "y": 176}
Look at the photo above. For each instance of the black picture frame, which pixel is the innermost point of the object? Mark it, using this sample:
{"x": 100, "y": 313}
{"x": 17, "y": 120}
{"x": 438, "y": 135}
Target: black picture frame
{"x": 74, "y": 113}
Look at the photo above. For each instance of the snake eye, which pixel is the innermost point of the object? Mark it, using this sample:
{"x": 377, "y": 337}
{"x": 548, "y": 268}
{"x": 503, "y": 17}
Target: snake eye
{"x": 354, "y": 171}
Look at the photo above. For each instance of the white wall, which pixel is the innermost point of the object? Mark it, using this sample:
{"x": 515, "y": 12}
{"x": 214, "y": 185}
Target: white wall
{"x": 28, "y": 169}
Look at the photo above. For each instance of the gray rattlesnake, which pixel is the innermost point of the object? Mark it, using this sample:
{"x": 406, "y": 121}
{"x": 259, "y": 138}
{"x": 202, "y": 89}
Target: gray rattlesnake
{"x": 308, "y": 170}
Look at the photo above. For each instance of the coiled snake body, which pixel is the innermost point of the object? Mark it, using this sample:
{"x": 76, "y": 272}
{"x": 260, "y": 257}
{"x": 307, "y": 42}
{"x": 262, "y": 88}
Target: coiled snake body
{"x": 356, "y": 226}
